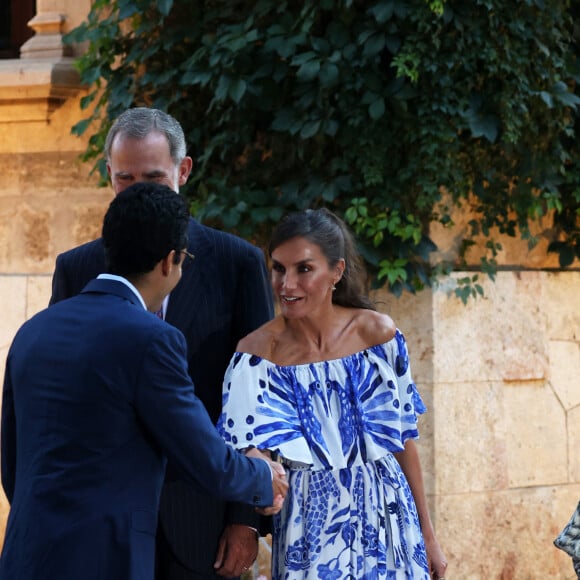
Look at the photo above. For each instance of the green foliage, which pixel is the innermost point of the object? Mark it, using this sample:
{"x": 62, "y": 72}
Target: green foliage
{"x": 468, "y": 287}
{"x": 371, "y": 108}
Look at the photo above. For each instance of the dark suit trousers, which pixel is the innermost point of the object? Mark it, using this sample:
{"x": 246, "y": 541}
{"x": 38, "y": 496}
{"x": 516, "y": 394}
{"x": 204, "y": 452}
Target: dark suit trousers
{"x": 168, "y": 567}
{"x": 200, "y": 542}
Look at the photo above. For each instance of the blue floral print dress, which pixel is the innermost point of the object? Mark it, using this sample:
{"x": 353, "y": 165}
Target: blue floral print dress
{"x": 349, "y": 513}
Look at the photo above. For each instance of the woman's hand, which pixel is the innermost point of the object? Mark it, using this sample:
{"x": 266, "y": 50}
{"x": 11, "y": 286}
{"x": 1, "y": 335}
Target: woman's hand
{"x": 437, "y": 560}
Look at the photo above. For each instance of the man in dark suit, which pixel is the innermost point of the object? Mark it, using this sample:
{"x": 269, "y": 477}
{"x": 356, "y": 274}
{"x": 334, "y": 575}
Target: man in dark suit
{"x": 222, "y": 296}
{"x": 96, "y": 397}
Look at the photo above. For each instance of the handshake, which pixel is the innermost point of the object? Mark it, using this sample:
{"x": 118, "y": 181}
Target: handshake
{"x": 279, "y": 483}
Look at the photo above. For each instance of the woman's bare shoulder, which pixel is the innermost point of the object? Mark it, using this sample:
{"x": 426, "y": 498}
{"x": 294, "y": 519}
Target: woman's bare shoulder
{"x": 376, "y": 327}
{"x": 261, "y": 340}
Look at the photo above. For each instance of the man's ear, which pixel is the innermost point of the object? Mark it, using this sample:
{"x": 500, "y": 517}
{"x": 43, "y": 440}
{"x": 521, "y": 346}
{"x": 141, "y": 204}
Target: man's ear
{"x": 167, "y": 263}
{"x": 185, "y": 168}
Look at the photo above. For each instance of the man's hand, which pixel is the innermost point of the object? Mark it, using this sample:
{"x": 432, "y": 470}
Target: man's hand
{"x": 237, "y": 550}
{"x": 279, "y": 483}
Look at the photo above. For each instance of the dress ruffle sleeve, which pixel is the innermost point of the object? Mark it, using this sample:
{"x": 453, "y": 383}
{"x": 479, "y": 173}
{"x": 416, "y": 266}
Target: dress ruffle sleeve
{"x": 328, "y": 414}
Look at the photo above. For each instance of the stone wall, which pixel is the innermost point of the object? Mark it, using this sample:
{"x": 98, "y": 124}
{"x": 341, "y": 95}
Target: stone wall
{"x": 500, "y": 444}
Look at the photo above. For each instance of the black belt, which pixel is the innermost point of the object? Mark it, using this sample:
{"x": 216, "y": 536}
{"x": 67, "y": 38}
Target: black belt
{"x": 288, "y": 463}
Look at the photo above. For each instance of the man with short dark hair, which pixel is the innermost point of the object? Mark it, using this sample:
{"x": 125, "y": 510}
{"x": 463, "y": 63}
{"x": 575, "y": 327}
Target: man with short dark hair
{"x": 224, "y": 295}
{"x": 96, "y": 398}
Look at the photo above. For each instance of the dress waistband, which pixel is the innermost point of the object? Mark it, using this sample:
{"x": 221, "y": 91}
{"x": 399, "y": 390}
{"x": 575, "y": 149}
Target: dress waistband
{"x": 288, "y": 463}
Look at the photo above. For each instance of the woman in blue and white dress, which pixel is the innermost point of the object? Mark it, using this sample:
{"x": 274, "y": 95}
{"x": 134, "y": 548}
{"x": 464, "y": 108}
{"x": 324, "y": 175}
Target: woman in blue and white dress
{"x": 326, "y": 387}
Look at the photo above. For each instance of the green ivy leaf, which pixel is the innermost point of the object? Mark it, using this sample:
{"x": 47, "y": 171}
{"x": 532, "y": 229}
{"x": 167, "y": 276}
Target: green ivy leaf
{"x": 164, "y": 6}
{"x": 328, "y": 75}
{"x": 383, "y": 11}
{"x": 308, "y": 71}
{"x": 377, "y": 109}
{"x": 309, "y": 129}
{"x": 127, "y": 9}
{"x": 484, "y": 126}
{"x": 565, "y": 96}
{"x": 283, "y": 120}
{"x": 80, "y": 127}
{"x": 374, "y": 44}
{"x": 237, "y": 89}
{"x": 223, "y": 88}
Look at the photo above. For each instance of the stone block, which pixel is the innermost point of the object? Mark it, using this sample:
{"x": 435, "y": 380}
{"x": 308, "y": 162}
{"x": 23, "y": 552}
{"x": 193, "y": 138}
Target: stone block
{"x": 565, "y": 371}
{"x": 35, "y": 227}
{"x": 4, "y": 509}
{"x": 27, "y": 130}
{"x": 46, "y": 173}
{"x": 561, "y": 299}
{"x": 7, "y": 228}
{"x": 81, "y": 223}
{"x": 3, "y": 355}
{"x": 573, "y": 423}
{"x": 24, "y": 237}
{"x": 506, "y": 535}
{"x": 13, "y": 292}
{"x": 38, "y": 294}
{"x": 470, "y": 438}
{"x": 498, "y": 337}
{"x": 4, "y": 505}
{"x": 88, "y": 222}
{"x": 426, "y": 442}
{"x": 536, "y": 438}
{"x": 413, "y": 315}
{"x": 38, "y": 235}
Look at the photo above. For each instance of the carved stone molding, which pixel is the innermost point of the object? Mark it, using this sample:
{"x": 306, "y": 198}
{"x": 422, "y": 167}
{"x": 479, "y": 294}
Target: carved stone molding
{"x": 47, "y": 40}
{"x": 43, "y": 78}
{"x": 31, "y": 90}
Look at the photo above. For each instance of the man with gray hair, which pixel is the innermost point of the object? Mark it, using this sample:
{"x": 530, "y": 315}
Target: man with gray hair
{"x": 223, "y": 295}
